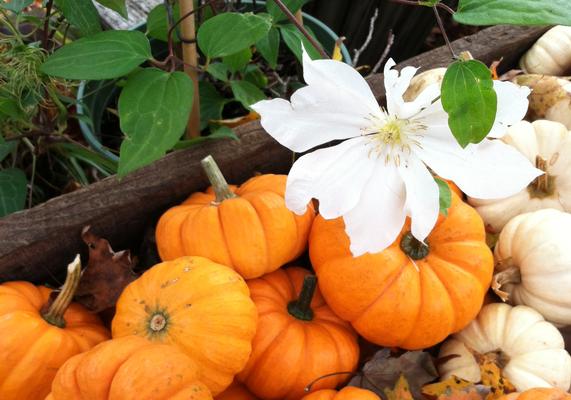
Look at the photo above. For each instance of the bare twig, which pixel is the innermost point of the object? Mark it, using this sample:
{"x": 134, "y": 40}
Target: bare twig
{"x": 359, "y": 51}
{"x": 301, "y": 28}
{"x": 390, "y": 41}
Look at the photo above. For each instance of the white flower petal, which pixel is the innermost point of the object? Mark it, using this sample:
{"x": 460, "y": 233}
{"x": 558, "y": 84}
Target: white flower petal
{"x": 343, "y": 77}
{"x": 512, "y": 106}
{"x": 376, "y": 221}
{"x": 334, "y": 175}
{"x": 422, "y": 197}
{"x": 395, "y": 87}
{"x": 316, "y": 115}
{"x": 488, "y": 170}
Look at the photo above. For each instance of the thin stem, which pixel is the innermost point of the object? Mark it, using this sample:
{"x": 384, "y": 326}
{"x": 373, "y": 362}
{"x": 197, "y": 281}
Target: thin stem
{"x": 444, "y": 34}
{"x": 301, "y": 28}
{"x": 301, "y": 308}
{"x": 359, "y": 51}
{"x": 390, "y": 41}
{"x": 11, "y": 26}
{"x": 216, "y": 179}
{"x": 56, "y": 311}
{"x": 47, "y": 17}
{"x": 308, "y": 387}
{"x": 416, "y": 3}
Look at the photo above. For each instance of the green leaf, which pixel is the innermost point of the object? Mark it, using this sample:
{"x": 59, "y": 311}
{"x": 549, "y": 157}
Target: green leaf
{"x": 445, "y": 196}
{"x": 256, "y": 76}
{"x": 157, "y": 23}
{"x": 13, "y": 188}
{"x": 229, "y": 33}
{"x": 119, "y": 6}
{"x": 211, "y": 103}
{"x": 246, "y": 93}
{"x": 16, "y": 6}
{"x": 293, "y": 39}
{"x": 469, "y": 98}
{"x": 82, "y": 14}
{"x": 237, "y": 62}
{"x": 269, "y": 47}
{"x": 153, "y": 109}
{"x": 219, "y": 132}
{"x": 515, "y": 12}
{"x": 10, "y": 109}
{"x": 277, "y": 14}
{"x": 6, "y": 147}
{"x": 219, "y": 71}
{"x": 106, "y": 55}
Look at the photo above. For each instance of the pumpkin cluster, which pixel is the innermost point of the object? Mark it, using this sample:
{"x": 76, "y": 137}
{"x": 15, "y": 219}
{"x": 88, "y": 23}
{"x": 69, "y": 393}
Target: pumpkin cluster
{"x": 236, "y": 311}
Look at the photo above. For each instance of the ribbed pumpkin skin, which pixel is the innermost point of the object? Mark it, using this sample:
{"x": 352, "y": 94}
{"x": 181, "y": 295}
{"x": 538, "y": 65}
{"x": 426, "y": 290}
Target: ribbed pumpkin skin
{"x": 347, "y": 393}
{"x": 130, "y": 368}
{"x": 236, "y": 391}
{"x": 539, "y": 394}
{"x": 253, "y": 233}
{"x": 208, "y": 313}
{"x": 391, "y": 300}
{"x": 31, "y": 349}
{"x": 288, "y": 353}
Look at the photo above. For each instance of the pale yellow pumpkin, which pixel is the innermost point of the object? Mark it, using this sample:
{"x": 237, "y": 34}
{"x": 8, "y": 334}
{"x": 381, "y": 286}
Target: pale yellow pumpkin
{"x": 551, "y": 54}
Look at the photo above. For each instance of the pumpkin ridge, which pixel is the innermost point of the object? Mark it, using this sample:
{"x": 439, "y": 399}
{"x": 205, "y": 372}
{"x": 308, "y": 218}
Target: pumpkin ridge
{"x": 189, "y": 216}
{"x": 383, "y": 291}
{"x": 268, "y": 245}
{"x": 420, "y": 298}
{"x": 270, "y": 282}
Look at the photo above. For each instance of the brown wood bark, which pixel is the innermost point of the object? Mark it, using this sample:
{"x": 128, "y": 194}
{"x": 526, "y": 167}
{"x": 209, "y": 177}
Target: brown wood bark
{"x": 37, "y": 244}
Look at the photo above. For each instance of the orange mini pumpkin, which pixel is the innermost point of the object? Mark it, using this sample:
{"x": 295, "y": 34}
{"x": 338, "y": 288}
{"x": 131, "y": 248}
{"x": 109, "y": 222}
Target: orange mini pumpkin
{"x": 130, "y": 368}
{"x": 298, "y": 339}
{"x": 247, "y": 228}
{"x": 347, "y": 393}
{"x": 409, "y": 295}
{"x": 34, "y": 342}
{"x": 199, "y": 306}
{"x": 539, "y": 394}
{"x": 236, "y": 391}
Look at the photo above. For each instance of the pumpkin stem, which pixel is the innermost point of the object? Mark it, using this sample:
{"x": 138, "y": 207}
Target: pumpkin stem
{"x": 413, "y": 247}
{"x": 511, "y": 274}
{"x": 216, "y": 179}
{"x": 543, "y": 185}
{"x": 301, "y": 308}
{"x": 313, "y": 382}
{"x": 54, "y": 314}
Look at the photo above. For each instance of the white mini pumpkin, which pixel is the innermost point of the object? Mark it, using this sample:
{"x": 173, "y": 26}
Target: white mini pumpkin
{"x": 550, "y": 97}
{"x": 421, "y": 81}
{"x": 547, "y": 144}
{"x": 533, "y": 263}
{"x": 530, "y": 351}
{"x": 551, "y": 54}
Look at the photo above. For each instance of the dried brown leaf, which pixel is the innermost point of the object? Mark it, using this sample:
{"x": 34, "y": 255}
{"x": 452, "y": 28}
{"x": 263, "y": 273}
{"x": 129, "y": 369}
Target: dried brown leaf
{"x": 401, "y": 390}
{"x": 106, "y": 275}
{"x": 383, "y": 371}
{"x": 455, "y": 388}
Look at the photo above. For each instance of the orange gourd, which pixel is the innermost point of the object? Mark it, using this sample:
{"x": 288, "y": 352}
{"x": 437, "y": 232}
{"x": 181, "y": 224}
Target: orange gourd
{"x": 539, "y": 394}
{"x": 34, "y": 343}
{"x": 347, "y": 393}
{"x": 199, "y": 306}
{"x": 236, "y": 391}
{"x": 409, "y": 295}
{"x": 298, "y": 339}
{"x": 247, "y": 228}
{"x": 130, "y": 368}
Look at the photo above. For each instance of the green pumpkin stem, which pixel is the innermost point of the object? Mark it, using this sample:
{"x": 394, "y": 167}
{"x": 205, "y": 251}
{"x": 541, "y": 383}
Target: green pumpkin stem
{"x": 54, "y": 314}
{"x": 216, "y": 179}
{"x": 301, "y": 308}
{"x": 413, "y": 247}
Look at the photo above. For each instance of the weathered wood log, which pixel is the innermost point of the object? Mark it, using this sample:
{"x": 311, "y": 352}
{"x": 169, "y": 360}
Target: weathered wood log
{"x": 36, "y": 244}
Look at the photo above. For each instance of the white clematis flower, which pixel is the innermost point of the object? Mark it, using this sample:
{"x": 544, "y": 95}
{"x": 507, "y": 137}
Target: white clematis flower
{"x": 379, "y": 175}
